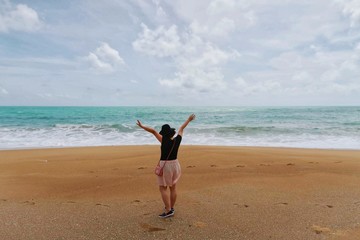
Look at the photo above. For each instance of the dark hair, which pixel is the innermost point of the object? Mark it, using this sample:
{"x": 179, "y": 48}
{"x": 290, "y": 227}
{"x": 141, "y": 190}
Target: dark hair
{"x": 167, "y": 131}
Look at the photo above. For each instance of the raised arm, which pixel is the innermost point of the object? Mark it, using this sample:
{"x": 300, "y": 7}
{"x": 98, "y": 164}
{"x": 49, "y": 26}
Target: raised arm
{"x": 150, "y": 130}
{"x": 183, "y": 126}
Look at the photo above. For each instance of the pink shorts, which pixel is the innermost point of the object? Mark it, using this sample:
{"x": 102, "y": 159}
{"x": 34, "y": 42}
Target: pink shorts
{"x": 171, "y": 173}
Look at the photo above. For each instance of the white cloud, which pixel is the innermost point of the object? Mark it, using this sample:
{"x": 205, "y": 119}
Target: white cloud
{"x": 108, "y": 54}
{"x": 161, "y": 42}
{"x": 105, "y": 59}
{"x": 222, "y": 28}
{"x": 96, "y": 63}
{"x": 198, "y": 62}
{"x": 134, "y": 81}
{"x": 207, "y": 55}
{"x": 240, "y": 82}
{"x": 18, "y": 18}
{"x": 297, "y": 74}
{"x": 217, "y": 19}
{"x": 245, "y": 88}
{"x": 285, "y": 26}
{"x": 160, "y": 13}
{"x": 196, "y": 80}
{"x": 351, "y": 8}
{"x": 3, "y": 91}
{"x": 152, "y": 11}
{"x": 250, "y": 18}
{"x": 217, "y": 7}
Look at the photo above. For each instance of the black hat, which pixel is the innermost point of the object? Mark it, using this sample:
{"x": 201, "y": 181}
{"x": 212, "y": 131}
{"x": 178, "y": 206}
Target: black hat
{"x": 166, "y": 130}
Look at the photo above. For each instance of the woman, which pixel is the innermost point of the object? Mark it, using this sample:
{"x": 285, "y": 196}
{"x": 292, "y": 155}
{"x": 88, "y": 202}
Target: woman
{"x": 171, "y": 171}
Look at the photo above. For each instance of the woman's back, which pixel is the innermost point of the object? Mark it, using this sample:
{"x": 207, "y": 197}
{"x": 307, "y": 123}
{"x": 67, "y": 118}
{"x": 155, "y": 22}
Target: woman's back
{"x": 168, "y": 145}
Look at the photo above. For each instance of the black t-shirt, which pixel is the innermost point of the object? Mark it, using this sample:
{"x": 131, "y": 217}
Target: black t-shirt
{"x": 166, "y": 146}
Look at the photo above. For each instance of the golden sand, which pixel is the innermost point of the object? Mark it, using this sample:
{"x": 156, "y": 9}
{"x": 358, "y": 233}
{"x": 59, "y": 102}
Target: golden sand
{"x": 224, "y": 193}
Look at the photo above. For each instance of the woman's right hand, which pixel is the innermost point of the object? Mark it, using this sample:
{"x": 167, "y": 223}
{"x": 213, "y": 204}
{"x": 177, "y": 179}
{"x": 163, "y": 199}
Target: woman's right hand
{"x": 139, "y": 124}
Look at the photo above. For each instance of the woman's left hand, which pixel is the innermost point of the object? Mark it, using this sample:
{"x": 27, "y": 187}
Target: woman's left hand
{"x": 191, "y": 117}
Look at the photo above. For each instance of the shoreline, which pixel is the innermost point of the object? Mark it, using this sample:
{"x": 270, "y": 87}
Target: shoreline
{"x": 111, "y": 193}
{"x": 188, "y": 145}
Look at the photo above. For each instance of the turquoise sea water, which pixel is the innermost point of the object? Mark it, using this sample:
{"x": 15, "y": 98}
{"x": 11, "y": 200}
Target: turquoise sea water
{"x": 309, "y": 127}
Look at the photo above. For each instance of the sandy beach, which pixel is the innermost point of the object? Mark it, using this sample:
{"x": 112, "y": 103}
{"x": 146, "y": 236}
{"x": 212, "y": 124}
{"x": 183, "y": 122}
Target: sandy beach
{"x": 224, "y": 193}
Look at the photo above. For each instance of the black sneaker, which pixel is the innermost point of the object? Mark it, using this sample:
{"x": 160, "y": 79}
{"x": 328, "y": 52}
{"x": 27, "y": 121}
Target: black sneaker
{"x": 167, "y": 214}
{"x": 170, "y": 213}
{"x": 163, "y": 215}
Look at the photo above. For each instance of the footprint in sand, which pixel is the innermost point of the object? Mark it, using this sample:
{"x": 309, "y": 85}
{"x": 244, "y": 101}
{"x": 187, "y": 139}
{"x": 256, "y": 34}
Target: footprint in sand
{"x": 190, "y": 166}
{"x": 338, "y": 162}
{"x": 240, "y": 166}
{"x": 290, "y": 164}
{"x": 3, "y": 200}
{"x": 102, "y": 205}
{"x": 282, "y": 203}
{"x": 29, "y": 203}
{"x": 328, "y": 206}
{"x": 245, "y": 205}
{"x": 138, "y": 203}
{"x": 150, "y": 228}
{"x": 264, "y": 165}
{"x": 213, "y": 165}
{"x": 318, "y": 229}
{"x": 140, "y": 168}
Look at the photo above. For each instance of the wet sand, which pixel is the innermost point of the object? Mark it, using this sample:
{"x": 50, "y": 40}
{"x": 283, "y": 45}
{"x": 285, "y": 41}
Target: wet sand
{"x": 224, "y": 193}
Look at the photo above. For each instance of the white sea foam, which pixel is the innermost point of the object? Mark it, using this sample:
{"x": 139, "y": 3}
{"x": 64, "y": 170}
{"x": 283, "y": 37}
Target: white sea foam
{"x": 70, "y": 136}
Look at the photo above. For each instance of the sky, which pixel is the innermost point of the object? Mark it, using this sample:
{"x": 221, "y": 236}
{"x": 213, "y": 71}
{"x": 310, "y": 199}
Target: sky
{"x": 179, "y": 53}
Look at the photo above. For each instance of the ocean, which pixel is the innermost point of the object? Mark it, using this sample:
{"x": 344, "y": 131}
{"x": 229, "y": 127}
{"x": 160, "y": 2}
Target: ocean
{"x": 302, "y": 127}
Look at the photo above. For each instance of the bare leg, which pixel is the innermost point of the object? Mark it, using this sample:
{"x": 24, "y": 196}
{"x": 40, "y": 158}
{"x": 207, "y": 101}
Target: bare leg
{"x": 165, "y": 197}
{"x": 173, "y": 195}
